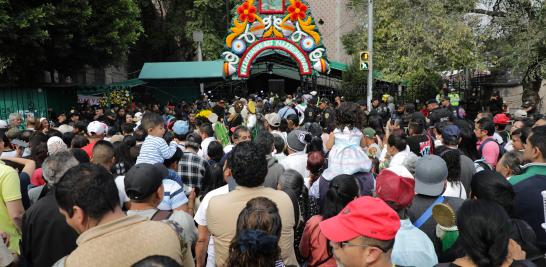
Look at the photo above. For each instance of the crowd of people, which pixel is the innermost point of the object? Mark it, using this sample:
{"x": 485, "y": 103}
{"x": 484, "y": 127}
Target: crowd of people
{"x": 295, "y": 180}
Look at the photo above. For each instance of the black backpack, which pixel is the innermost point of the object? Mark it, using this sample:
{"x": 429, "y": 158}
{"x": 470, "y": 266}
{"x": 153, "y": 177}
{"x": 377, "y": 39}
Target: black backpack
{"x": 502, "y": 150}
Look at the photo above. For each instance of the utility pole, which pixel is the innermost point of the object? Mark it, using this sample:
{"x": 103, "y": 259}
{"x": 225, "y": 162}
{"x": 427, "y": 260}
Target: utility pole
{"x": 198, "y": 37}
{"x": 370, "y": 49}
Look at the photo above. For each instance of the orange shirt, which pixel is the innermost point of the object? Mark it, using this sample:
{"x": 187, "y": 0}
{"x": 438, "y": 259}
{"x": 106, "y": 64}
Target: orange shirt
{"x": 313, "y": 244}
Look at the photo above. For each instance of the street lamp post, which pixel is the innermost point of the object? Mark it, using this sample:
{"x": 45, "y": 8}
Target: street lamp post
{"x": 198, "y": 37}
{"x": 370, "y": 49}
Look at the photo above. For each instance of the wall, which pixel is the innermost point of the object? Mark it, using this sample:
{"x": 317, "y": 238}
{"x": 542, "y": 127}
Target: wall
{"x": 512, "y": 97}
{"x": 337, "y": 22}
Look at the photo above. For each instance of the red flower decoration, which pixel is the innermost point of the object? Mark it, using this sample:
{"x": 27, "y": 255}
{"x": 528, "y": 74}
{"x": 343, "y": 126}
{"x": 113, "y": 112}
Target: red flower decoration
{"x": 297, "y": 10}
{"x": 247, "y": 12}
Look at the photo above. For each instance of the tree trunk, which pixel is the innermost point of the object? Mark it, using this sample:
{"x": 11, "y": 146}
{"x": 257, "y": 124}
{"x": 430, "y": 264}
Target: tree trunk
{"x": 531, "y": 94}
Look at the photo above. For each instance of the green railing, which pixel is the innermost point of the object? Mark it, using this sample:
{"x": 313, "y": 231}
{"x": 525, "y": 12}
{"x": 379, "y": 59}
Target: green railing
{"x": 29, "y": 102}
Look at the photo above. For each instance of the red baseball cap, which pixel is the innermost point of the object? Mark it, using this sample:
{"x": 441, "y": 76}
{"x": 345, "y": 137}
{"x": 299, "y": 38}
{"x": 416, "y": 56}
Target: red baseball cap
{"x": 366, "y": 216}
{"x": 395, "y": 190}
{"x": 501, "y": 119}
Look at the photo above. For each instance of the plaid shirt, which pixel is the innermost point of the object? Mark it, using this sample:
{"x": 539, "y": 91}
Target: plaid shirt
{"x": 191, "y": 169}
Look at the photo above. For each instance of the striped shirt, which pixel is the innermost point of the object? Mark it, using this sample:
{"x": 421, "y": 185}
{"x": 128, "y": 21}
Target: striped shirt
{"x": 174, "y": 196}
{"x": 155, "y": 150}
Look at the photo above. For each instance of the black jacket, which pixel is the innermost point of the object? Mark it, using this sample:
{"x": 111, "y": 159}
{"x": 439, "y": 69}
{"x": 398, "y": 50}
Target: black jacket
{"x": 326, "y": 116}
{"x": 439, "y": 114}
{"x": 495, "y": 106}
{"x": 311, "y": 114}
{"x": 46, "y": 236}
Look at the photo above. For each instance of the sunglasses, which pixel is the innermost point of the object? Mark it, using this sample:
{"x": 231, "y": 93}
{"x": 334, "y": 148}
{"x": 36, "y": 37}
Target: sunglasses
{"x": 341, "y": 244}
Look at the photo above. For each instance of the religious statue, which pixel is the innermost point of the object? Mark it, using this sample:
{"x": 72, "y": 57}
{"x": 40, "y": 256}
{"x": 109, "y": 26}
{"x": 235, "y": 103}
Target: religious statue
{"x": 271, "y": 6}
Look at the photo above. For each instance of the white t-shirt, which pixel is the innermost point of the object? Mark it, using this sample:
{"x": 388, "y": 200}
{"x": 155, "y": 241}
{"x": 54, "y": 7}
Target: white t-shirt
{"x": 455, "y": 190}
{"x": 120, "y": 183}
{"x": 296, "y": 161}
{"x": 307, "y": 182}
{"x": 399, "y": 158}
{"x": 509, "y": 146}
{"x": 11, "y": 154}
{"x": 374, "y": 151}
{"x": 228, "y": 148}
{"x": 201, "y": 219}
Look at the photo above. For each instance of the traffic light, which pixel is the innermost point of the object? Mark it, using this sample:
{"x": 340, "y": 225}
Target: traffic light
{"x": 365, "y": 60}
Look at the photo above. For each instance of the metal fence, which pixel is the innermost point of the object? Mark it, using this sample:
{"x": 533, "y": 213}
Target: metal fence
{"x": 27, "y": 102}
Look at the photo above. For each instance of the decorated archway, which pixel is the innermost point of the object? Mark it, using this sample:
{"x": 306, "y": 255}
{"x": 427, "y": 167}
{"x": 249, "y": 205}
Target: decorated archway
{"x": 281, "y": 25}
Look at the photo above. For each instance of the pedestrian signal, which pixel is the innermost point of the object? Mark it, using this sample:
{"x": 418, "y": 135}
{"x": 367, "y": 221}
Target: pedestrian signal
{"x": 365, "y": 60}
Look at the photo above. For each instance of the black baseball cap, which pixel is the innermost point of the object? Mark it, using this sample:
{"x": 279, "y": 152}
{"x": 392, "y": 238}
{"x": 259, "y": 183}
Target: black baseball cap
{"x": 446, "y": 98}
{"x": 417, "y": 115}
{"x": 143, "y": 179}
{"x": 325, "y": 100}
{"x": 361, "y": 102}
{"x": 432, "y": 101}
{"x": 74, "y": 112}
{"x": 527, "y": 104}
{"x": 313, "y": 100}
{"x": 109, "y": 113}
{"x": 96, "y": 107}
{"x": 194, "y": 139}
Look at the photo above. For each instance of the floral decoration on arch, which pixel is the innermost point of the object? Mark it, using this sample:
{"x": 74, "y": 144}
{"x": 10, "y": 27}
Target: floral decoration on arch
{"x": 247, "y": 12}
{"x": 297, "y": 11}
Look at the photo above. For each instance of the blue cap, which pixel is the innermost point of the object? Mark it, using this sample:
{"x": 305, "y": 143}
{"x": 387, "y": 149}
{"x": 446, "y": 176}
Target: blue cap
{"x": 449, "y": 131}
{"x": 180, "y": 127}
{"x": 260, "y": 99}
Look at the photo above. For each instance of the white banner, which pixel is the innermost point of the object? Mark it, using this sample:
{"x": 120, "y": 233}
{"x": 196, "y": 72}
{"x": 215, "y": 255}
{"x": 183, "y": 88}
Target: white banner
{"x": 93, "y": 100}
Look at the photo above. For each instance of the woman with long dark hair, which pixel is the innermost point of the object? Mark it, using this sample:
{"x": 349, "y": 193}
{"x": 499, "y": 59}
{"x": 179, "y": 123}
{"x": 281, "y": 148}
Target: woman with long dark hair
{"x": 214, "y": 178}
{"x": 308, "y": 204}
{"x": 452, "y": 157}
{"x": 256, "y": 242}
{"x": 468, "y": 144}
{"x": 123, "y": 161}
{"x": 314, "y": 246}
{"x": 484, "y": 237}
{"x": 38, "y": 153}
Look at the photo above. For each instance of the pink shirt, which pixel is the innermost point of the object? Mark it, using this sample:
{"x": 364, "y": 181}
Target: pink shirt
{"x": 490, "y": 151}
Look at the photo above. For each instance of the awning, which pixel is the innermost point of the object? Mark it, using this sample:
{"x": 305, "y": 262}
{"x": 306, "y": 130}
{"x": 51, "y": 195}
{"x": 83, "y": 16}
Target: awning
{"x": 103, "y": 88}
{"x": 181, "y": 70}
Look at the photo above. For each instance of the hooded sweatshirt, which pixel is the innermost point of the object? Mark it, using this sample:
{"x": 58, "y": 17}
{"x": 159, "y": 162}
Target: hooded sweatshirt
{"x": 275, "y": 172}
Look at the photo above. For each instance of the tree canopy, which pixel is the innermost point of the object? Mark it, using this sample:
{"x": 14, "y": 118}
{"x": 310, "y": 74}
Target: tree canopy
{"x": 64, "y": 36}
{"x": 444, "y": 35}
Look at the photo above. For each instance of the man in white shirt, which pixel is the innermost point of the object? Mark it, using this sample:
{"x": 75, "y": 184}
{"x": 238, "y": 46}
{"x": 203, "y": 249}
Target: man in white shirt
{"x": 207, "y": 134}
{"x": 205, "y": 244}
{"x": 297, "y": 158}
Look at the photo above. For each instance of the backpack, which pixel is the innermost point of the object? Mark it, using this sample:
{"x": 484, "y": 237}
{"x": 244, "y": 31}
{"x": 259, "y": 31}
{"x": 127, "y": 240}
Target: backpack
{"x": 481, "y": 165}
{"x": 161, "y": 215}
{"x": 502, "y": 150}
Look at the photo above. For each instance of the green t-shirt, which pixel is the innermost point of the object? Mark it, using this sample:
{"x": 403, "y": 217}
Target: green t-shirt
{"x": 10, "y": 190}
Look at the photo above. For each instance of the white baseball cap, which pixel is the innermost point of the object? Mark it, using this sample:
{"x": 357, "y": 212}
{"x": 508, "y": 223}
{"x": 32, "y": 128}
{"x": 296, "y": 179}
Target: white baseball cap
{"x": 95, "y": 128}
{"x": 3, "y": 125}
{"x": 65, "y": 128}
{"x": 138, "y": 116}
